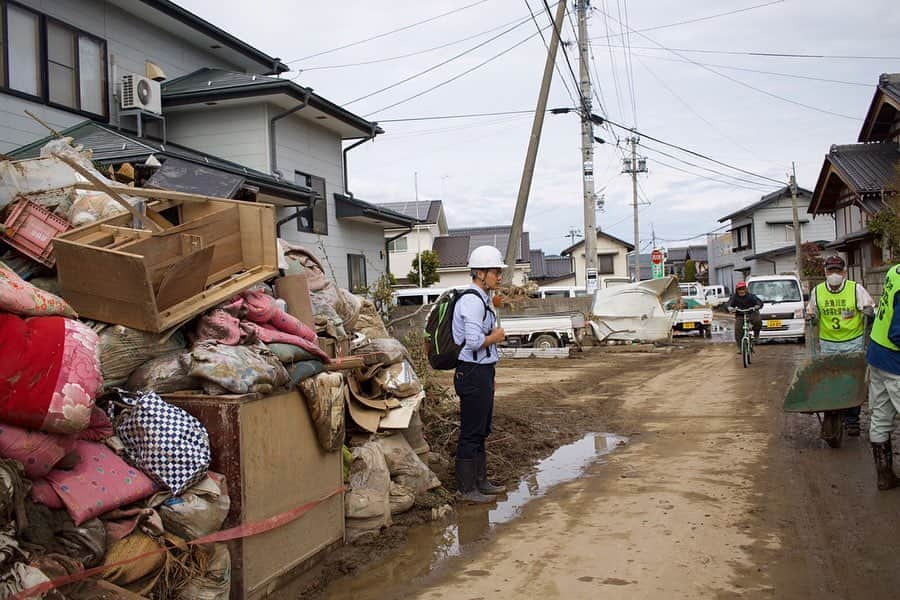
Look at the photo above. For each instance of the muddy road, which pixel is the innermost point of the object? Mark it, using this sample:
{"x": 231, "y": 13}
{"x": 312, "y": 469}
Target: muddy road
{"x": 716, "y": 494}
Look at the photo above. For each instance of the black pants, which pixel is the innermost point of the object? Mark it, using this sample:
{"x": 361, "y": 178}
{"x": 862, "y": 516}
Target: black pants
{"x": 755, "y": 324}
{"x": 474, "y": 384}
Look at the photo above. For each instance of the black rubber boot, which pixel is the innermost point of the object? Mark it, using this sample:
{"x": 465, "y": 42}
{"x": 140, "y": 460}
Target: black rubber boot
{"x": 485, "y": 486}
{"x": 466, "y": 475}
{"x": 884, "y": 465}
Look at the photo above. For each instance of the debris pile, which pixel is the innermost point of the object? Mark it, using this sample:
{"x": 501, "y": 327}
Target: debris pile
{"x": 115, "y": 301}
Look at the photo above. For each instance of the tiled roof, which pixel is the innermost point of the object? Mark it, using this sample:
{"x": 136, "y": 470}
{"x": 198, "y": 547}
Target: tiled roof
{"x": 600, "y": 234}
{"x": 496, "y": 236}
{"x": 452, "y": 251}
{"x": 425, "y": 211}
{"x": 546, "y": 267}
{"x": 866, "y": 168}
{"x": 878, "y": 125}
{"x": 677, "y": 254}
{"x": 699, "y": 253}
{"x": 803, "y": 196}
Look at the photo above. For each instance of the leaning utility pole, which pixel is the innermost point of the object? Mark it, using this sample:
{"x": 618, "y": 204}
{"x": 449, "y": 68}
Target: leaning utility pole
{"x": 518, "y": 222}
{"x": 635, "y": 165}
{"x": 587, "y": 152}
{"x": 796, "y": 220}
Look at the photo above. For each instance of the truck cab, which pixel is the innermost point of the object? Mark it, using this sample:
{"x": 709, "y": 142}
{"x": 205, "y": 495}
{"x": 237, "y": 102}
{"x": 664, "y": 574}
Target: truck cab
{"x": 783, "y": 306}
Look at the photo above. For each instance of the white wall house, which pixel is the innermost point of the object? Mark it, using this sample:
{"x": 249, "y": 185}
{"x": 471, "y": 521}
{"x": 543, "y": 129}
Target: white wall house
{"x": 223, "y": 105}
{"x": 762, "y": 238}
{"x": 612, "y": 257}
{"x": 406, "y": 243}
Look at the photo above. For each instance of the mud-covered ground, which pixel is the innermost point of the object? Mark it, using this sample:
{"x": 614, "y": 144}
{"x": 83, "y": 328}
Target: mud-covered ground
{"x": 541, "y": 404}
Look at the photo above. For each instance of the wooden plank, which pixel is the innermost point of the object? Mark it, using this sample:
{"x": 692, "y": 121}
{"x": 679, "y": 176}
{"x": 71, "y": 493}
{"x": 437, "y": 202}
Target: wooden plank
{"x": 168, "y": 195}
{"x": 184, "y": 279}
{"x": 147, "y": 223}
{"x": 117, "y": 276}
{"x": 139, "y": 315}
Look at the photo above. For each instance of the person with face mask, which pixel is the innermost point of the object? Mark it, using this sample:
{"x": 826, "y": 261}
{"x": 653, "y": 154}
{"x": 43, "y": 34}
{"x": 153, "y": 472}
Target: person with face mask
{"x": 840, "y": 306}
{"x": 743, "y": 299}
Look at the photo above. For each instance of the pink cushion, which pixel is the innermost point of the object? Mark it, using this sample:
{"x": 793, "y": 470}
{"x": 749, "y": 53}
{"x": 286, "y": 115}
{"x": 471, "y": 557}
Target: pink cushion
{"x": 42, "y": 493}
{"x": 20, "y": 297}
{"x": 99, "y": 483}
{"x": 37, "y": 451}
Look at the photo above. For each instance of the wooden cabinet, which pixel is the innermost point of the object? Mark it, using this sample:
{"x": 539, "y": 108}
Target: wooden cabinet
{"x": 268, "y": 451}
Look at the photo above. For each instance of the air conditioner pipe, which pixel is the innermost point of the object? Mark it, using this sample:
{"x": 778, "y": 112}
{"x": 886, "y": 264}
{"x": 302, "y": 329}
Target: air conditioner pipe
{"x": 273, "y": 160}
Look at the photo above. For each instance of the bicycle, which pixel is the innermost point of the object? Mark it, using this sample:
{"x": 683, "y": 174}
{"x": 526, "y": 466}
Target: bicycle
{"x": 747, "y": 337}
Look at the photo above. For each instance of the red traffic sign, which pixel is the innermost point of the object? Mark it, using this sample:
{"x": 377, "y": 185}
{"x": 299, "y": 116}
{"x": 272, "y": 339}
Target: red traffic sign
{"x": 656, "y": 257}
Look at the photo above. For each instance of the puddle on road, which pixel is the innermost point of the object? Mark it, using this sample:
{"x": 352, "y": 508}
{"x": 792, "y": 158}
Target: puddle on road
{"x": 429, "y": 544}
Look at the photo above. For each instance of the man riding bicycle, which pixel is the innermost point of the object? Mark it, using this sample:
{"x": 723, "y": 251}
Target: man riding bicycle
{"x": 744, "y": 300}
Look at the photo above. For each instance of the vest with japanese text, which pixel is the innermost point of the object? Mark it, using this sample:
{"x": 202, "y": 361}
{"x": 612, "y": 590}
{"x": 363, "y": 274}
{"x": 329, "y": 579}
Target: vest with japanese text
{"x": 840, "y": 320}
{"x": 885, "y": 313}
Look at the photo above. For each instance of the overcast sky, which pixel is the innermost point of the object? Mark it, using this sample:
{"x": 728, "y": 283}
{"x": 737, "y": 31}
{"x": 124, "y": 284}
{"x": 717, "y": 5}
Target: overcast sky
{"x": 475, "y": 164}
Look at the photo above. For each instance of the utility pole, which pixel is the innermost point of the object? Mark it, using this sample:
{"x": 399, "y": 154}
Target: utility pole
{"x": 573, "y": 233}
{"x": 518, "y": 222}
{"x": 587, "y": 151}
{"x": 635, "y": 165}
{"x": 418, "y": 237}
{"x": 796, "y": 220}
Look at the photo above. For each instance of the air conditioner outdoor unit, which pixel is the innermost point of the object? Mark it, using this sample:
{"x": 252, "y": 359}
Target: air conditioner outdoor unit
{"x": 140, "y": 92}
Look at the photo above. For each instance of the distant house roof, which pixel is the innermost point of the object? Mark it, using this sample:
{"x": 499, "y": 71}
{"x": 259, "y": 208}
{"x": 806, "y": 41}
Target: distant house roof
{"x": 699, "y": 253}
{"x": 677, "y": 255}
{"x": 354, "y": 209}
{"x": 782, "y": 251}
{"x": 111, "y": 146}
{"x": 186, "y": 24}
{"x": 550, "y": 267}
{"x": 453, "y": 255}
{"x": 211, "y": 85}
{"x": 803, "y": 195}
{"x": 867, "y": 170}
{"x": 424, "y": 211}
{"x": 882, "y": 114}
{"x": 600, "y": 234}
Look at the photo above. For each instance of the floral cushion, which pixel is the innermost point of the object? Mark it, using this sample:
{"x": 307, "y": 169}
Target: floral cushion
{"x": 99, "y": 483}
{"x": 49, "y": 373}
{"x": 37, "y": 451}
{"x": 20, "y": 297}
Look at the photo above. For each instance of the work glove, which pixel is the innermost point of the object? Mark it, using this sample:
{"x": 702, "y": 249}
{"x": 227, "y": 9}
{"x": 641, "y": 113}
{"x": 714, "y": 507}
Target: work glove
{"x": 731, "y": 309}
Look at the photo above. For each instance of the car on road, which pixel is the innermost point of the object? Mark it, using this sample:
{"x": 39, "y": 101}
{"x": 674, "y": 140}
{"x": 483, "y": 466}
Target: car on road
{"x": 690, "y": 314}
{"x": 715, "y": 295}
{"x": 783, "y": 311}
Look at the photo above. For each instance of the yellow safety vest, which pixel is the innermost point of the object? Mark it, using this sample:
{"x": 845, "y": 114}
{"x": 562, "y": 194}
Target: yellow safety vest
{"x": 885, "y": 313}
{"x": 840, "y": 319}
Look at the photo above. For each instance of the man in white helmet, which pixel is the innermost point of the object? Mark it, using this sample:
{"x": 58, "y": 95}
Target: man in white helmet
{"x": 474, "y": 328}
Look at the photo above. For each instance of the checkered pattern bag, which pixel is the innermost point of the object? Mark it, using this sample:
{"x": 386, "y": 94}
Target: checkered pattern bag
{"x": 162, "y": 440}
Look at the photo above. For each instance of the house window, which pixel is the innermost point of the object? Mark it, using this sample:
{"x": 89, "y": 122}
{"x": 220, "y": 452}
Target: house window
{"x": 313, "y": 219}
{"x": 605, "y": 265}
{"x": 398, "y": 245}
{"x": 741, "y": 238}
{"x": 51, "y": 62}
{"x": 788, "y": 233}
{"x": 356, "y": 270}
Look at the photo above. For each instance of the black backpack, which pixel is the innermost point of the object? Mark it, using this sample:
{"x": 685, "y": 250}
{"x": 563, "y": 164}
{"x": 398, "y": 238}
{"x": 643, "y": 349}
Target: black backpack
{"x": 441, "y": 348}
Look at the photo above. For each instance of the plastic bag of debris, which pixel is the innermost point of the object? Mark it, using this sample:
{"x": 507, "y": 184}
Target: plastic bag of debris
{"x": 367, "y": 504}
{"x": 405, "y": 467}
{"x": 199, "y": 511}
{"x": 214, "y": 581}
{"x": 165, "y": 374}
{"x": 398, "y": 380}
{"x": 402, "y": 498}
{"x": 123, "y": 349}
{"x": 324, "y": 394}
{"x": 392, "y": 350}
{"x": 89, "y": 207}
{"x": 369, "y": 322}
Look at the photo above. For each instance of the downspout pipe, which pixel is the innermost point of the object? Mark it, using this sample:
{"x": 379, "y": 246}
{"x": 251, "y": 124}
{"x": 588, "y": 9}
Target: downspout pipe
{"x": 372, "y": 135}
{"x": 273, "y": 160}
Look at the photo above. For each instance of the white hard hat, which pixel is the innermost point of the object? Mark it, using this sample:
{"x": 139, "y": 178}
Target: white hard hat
{"x": 486, "y": 257}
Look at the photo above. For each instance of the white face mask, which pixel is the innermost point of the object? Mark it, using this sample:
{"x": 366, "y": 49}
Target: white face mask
{"x": 834, "y": 279}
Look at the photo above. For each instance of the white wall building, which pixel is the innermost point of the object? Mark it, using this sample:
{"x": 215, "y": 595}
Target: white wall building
{"x": 405, "y": 244}
{"x": 612, "y": 257}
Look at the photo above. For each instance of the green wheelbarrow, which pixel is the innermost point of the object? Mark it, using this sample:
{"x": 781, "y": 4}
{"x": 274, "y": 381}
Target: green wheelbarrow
{"x": 826, "y": 385}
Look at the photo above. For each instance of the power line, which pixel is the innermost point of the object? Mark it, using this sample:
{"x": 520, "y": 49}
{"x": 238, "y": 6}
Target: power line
{"x": 418, "y": 52}
{"x": 565, "y": 52}
{"x": 733, "y": 68}
{"x": 681, "y": 160}
{"x": 626, "y": 52}
{"x": 697, "y": 20}
{"x": 752, "y": 53}
{"x": 436, "y": 66}
{"x": 387, "y": 33}
{"x": 688, "y": 239}
{"x": 465, "y": 116}
{"x": 455, "y": 77}
{"x": 747, "y": 85}
{"x": 728, "y": 183}
{"x": 612, "y": 62}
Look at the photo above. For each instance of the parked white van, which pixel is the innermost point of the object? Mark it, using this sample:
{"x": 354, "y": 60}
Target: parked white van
{"x": 715, "y": 295}
{"x": 417, "y": 296}
{"x": 783, "y": 306}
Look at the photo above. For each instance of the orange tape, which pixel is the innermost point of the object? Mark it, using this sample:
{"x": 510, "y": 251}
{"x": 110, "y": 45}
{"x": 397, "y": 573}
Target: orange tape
{"x": 241, "y": 531}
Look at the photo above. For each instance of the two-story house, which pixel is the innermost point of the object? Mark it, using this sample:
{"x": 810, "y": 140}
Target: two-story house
{"x": 856, "y": 179}
{"x": 761, "y": 236}
{"x": 453, "y": 251}
{"x": 612, "y": 257}
{"x": 220, "y": 106}
{"x": 404, "y": 244}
